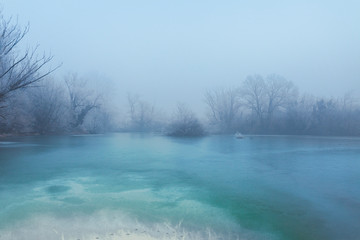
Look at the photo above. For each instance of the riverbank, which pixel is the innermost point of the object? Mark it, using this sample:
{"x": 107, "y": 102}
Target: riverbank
{"x": 103, "y": 226}
{"x": 30, "y": 134}
{"x": 79, "y": 133}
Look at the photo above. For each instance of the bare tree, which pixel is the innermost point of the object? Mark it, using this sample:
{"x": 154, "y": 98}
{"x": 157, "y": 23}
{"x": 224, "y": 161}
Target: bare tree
{"x": 350, "y": 114}
{"x": 185, "y": 123}
{"x": 299, "y": 115}
{"x": 16, "y": 116}
{"x": 18, "y": 71}
{"x": 141, "y": 114}
{"x": 99, "y": 120}
{"x": 48, "y": 108}
{"x": 265, "y": 96}
{"x": 223, "y": 108}
{"x": 81, "y": 100}
{"x": 280, "y": 93}
{"x": 253, "y": 93}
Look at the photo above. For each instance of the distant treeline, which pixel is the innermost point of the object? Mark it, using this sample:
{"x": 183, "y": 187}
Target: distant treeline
{"x": 270, "y": 105}
{"x": 31, "y": 102}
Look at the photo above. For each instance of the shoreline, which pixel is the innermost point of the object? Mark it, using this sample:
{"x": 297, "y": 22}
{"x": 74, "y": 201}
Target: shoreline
{"x": 14, "y": 135}
{"x": 107, "y": 225}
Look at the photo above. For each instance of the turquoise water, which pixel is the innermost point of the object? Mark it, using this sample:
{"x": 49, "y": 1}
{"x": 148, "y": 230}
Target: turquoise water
{"x": 260, "y": 187}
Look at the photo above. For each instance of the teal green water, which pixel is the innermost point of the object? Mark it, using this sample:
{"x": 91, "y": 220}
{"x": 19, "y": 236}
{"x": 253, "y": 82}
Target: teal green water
{"x": 260, "y": 187}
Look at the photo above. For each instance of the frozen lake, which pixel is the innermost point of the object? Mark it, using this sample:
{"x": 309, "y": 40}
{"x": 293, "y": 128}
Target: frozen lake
{"x": 216, "y": 187}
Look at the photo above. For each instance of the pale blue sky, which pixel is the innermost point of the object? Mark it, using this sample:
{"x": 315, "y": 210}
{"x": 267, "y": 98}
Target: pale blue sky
{"x": 171, "y": 51}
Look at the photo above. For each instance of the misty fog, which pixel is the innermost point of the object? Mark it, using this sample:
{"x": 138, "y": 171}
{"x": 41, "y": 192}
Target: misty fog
{"x": 173, "y": 52}
{"x": 166, "y": 54}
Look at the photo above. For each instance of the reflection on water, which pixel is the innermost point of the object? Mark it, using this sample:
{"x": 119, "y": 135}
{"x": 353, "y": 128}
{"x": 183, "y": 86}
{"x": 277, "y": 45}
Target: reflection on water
{"x": 260, "y": 187}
